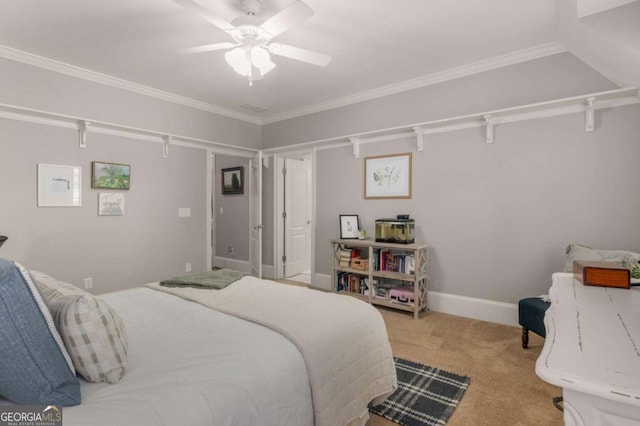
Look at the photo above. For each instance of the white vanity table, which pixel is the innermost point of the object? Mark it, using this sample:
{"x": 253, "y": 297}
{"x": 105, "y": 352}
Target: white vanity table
{"x": 592, "y": 351}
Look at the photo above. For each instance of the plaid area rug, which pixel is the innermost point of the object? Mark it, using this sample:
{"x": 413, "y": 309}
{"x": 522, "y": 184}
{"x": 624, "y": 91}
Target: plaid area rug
{"x": 425, "y": 395}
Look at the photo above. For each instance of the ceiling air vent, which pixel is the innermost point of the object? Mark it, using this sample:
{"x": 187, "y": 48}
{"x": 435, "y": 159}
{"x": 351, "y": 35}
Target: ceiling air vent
{"x": 253, "y": 108}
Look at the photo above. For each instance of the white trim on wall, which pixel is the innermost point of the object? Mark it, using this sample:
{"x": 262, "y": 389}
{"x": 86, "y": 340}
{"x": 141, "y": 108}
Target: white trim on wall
{"x": 236, "y": 264}
{"x": 471, "y": 307}
{"x": 83, "y": 124}
{"x": 452, "y": 304}
{"x": 243, "y": 266}
{"x": 496, "y": 62}
{"x": 489, "y": 64}
{"x": 556, "y": 107}
{"x": 210, "y": 229}
{"x": 107, "y": 80}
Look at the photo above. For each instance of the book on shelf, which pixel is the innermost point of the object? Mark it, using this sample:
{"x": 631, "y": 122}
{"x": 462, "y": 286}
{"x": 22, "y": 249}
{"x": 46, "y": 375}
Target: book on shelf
{"x": 346, "y": 255}
{"x": 351, "y": 283}
{"x": 389, "y": 261}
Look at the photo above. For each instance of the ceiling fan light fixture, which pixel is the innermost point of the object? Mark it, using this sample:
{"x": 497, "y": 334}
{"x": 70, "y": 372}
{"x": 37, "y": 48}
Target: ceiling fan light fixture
{"x": 243, "y": 59}
{"x": 238, "y": 60}
{"x": 262, "y": 60}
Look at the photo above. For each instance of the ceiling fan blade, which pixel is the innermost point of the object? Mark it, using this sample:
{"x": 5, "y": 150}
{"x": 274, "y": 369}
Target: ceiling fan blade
{"x": 211, "y": 47}
{"x": 299, "y": 54}
{"x": 206, "y": 14}
{"x": 286, "y": 18}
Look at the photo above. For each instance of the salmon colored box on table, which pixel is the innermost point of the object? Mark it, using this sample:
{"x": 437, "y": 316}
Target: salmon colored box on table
{"x": 601, "y": 274}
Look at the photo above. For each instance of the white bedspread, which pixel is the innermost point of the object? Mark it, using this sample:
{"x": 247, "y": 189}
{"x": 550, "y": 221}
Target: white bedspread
{"x": 190, "y": 365}
{"x": 343, "y": 340}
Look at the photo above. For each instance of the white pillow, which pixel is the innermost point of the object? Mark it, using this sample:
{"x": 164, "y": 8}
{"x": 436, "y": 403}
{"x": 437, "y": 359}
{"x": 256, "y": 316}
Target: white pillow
{"x": 92, "y": 331}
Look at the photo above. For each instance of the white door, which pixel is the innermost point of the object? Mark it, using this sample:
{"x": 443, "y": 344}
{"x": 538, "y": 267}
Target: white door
{"x": 297, "y": 223}
{"x": 255, "y": 221}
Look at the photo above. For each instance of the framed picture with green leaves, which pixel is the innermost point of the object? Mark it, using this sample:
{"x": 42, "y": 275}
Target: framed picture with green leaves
{"x": 110, "y": 175}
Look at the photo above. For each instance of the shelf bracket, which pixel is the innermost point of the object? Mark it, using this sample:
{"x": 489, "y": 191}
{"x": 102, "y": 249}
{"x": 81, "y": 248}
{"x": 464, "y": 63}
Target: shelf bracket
{"x": 489, "y": 122}
{"x": 420, "y": 138}
{"x": 82, "y": 128}
{"x": 265, "y": 161}
{"x": 589, "y": 124}
{"x": 166, "y": 140}
{"x": 356, "y": 147}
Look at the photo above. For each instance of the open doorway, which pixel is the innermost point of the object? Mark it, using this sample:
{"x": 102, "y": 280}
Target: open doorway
{"x": 230, "y": 211}
{"x": 294, "y": 188}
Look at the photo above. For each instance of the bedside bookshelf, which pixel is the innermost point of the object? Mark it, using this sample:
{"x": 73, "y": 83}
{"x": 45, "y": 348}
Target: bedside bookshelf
{"x": 404, "y": 283}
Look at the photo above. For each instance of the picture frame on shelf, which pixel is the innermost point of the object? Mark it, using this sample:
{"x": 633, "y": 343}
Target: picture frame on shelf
{"x": 59, "y": 186}
{"x": 110, "y": 204}
{"x": 349, "y": 227}
{"x": 110, "y": 175}
{"x": 388, "y": 176}
{"x": 233, "y": 181}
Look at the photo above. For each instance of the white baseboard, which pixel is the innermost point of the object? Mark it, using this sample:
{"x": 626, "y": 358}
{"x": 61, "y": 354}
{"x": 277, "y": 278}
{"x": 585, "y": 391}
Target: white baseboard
{"x": 470, "y": 307}
{"x": 462, "y": 306}
{"x": 235, "y": 264}
{"x": 268, "y": 271}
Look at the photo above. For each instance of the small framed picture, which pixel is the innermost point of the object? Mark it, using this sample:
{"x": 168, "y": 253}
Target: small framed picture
{"x": 233, "y": 180}
{"x": 59, "y": 186}
{"x": 110, "y": 175}
{"x": 349, "y": 226}
{"x": 110, "y": 204}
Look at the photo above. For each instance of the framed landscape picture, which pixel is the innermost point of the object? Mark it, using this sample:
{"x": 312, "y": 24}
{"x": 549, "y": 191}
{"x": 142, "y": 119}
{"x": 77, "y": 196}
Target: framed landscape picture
{"x": 233, "y": 180}
{"x": 110, "y": 175}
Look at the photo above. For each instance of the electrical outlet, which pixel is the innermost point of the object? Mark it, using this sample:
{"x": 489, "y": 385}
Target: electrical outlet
{"x": 184, "y": 212}
{"x": 88, "y": 283}
{"x": 229, "y": 250}
{"x": 187, "y": 267}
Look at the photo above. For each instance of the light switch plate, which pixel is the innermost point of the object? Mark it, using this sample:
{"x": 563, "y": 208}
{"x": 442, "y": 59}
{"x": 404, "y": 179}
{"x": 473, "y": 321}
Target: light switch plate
{"x": 184, "y": 212}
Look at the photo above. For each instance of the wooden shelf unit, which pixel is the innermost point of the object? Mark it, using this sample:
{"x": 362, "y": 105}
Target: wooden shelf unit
{"x": 371, "y": 250}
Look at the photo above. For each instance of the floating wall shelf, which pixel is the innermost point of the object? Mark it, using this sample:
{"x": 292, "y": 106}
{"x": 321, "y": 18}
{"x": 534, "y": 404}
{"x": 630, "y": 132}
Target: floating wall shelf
{"x": 588, "y": 104}
{"x": 84, "y": 126}
{"x": 585, "y": 103}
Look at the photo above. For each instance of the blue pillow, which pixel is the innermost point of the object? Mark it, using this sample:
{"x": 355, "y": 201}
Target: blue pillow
{"x": 34, "y": 368}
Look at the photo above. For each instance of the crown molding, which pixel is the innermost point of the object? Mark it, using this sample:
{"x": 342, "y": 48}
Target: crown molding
{"x": 96, "y": 77}
{"x": 495, "y": 62}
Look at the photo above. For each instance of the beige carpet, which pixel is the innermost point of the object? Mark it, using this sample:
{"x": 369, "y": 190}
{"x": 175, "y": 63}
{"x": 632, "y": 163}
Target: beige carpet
{"x": 504, "y": 388}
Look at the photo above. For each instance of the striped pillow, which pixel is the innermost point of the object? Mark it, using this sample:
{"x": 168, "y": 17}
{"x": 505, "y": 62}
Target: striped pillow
{"x": 92, "y": 331}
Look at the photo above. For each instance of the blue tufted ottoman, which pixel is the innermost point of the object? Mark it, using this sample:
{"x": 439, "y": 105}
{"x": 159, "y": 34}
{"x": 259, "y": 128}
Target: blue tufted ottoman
{"x": 531, "y": 317}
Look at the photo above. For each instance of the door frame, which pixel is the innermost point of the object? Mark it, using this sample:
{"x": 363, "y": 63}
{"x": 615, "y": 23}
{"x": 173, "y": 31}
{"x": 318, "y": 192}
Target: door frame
{"x": 255, "y": 214}
{"x": 278, "y": 208}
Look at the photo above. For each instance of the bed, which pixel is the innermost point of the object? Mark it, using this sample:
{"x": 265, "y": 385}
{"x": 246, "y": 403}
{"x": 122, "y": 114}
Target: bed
{"x": 255, "y": 352}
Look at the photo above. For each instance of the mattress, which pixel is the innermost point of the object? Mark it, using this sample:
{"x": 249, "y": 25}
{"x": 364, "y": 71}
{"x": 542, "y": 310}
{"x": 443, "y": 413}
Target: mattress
{"x": 192, "y": 365}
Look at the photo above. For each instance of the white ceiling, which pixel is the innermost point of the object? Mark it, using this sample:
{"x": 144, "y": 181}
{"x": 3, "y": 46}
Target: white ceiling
{"x": 374, "y": 44}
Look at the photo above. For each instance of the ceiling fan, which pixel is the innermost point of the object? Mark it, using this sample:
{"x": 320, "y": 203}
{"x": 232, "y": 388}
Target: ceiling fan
{"x": 250, "y": 50}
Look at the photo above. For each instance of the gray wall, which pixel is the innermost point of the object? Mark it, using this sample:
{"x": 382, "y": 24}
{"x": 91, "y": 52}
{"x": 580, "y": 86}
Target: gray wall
{"x": 500, "y": 215}
{"x": 148, "y": 243}
{"x": 232, "y": 225}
